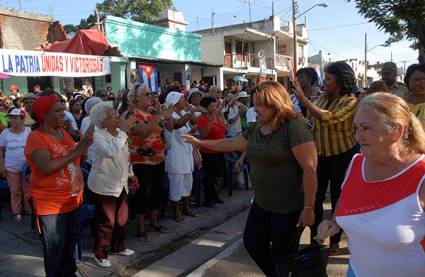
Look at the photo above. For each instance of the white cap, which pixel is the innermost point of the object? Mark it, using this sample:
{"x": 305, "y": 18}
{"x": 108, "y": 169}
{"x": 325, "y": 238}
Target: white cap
{"x": 18, "y": 112}
{"x": 194, "y": 90}
{"x": 173, "y": 97}
{"x": 243, "y": 94}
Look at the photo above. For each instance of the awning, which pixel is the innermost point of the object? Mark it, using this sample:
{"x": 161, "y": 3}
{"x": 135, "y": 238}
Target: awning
{"x": 38, "y": 63}
{"x": 165, "y": 61}
{"x": 85, "y": 42}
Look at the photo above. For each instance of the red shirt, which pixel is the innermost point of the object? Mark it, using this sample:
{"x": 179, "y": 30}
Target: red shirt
{"x": 217, "y": 131}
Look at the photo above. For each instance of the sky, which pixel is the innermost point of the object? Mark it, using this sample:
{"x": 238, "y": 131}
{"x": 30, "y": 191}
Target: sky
{"x": 337, "y": 29}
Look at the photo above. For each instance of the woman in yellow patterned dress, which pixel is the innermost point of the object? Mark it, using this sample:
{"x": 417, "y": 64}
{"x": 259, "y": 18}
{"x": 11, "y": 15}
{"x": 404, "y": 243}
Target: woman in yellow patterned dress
{"x": 415, "y": 81}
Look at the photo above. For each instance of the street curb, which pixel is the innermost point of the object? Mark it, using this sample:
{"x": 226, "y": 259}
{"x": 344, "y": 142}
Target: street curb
{"x": 198, "y": 272}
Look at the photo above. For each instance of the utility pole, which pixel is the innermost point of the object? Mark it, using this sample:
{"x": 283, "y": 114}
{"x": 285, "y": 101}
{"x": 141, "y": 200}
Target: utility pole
{"x": 365, "y": 61}
{"x": 294, "y": 27}
{"x": 197, "y": 22}
{"x": 249, "y": 7}
{"x": 404, "y": 66}
{"x": 20, "y": 6}
{"x": 212, "y": 20}
{"x": 96, "y": 12}
{"x": 272, "y": 7}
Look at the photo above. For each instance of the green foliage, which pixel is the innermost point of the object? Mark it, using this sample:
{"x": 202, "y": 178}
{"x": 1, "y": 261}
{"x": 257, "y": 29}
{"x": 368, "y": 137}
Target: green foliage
{"x": 138, "y": 10}
{"x": 69, "y": 28}
{"x": 399, "y": 18}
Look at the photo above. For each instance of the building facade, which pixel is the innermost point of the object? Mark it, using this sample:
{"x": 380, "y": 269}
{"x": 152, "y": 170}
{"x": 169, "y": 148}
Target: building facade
{"x": 176, "y": 54}
{"x": 256, "y": 49}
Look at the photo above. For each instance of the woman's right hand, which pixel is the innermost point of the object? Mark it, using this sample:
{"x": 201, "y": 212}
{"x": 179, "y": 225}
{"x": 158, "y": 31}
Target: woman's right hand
{"x": 192, "y": 140}
{"x": 87, "y": 140}
{"x": 327, "y": 228}
{"x": 127, "y": 123}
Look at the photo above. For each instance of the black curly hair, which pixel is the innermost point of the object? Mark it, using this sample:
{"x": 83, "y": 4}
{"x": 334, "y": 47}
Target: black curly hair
{"x": 310, "y": 72}
{"x": 411, "y": 69}
{"x": 345, "y": 76}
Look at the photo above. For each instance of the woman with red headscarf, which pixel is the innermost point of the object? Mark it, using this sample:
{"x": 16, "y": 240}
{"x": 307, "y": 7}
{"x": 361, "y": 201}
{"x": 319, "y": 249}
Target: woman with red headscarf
{"x": 56, "y": 184}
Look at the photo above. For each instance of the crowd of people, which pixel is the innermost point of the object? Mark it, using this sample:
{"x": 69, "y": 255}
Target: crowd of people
{"x": 137, "y": 146}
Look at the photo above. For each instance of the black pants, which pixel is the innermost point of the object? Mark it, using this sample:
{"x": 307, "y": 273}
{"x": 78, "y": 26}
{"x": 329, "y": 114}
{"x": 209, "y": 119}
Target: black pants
{"x": 151, "y": 180}
{"x": 59, "y": 234}
{"x": 263, "y": 227}
{"x": 330, "y": 171}
{"x": 211, "y": 164}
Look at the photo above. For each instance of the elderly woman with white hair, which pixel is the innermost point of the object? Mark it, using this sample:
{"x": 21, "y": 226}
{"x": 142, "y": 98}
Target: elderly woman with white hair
{"x": 108, "y": 180}
{"x": 179, "y": 161}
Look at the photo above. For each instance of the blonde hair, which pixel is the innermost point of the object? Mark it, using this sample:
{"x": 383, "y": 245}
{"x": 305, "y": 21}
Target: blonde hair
{"x": 394, "y": 110}
{"x": 272, "y": 94}
{"x": 132, "y": 94}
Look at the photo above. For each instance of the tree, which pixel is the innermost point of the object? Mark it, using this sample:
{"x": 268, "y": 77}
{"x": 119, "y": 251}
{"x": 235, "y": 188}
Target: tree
{"x": 138, "y": 10}
{"x": 399, "y": 18}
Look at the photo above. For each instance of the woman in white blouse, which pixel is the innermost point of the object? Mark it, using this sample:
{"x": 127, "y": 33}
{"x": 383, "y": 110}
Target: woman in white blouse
{"x": 179, "y": 161}
{"x": 108, "y": 180}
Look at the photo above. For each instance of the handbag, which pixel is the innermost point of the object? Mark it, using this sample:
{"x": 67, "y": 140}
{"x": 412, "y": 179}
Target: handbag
{"x": 310, "y": 261}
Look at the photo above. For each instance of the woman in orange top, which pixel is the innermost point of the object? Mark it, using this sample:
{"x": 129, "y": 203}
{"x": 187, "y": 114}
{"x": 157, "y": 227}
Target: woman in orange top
{"x": 56, "y": 184}
{"x": 147, "y": 154}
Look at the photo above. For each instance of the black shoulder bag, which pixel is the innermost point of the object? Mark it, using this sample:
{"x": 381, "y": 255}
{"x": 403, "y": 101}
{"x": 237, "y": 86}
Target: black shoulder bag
{"x": 307, "y": 262}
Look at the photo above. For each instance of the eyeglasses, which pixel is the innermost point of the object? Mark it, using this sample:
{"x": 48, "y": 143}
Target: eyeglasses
{"x": 28, "y": 101}
{"x": 417, "y": 79}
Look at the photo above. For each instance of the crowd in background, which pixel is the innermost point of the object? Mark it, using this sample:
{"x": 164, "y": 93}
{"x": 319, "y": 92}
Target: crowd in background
{"x": 136, "y": 146}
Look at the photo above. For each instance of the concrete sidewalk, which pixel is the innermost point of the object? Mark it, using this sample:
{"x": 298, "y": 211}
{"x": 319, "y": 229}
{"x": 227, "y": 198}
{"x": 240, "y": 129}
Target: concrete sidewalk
{"x": 21, "y": 251}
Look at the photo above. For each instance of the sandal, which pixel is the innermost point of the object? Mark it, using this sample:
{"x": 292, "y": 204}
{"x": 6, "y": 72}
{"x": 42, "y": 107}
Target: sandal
{"x": 143, "y": 236}
{"x": 159, "y": 228}
{"x": 189, "y": 212}
{"x": 334, "y": 249}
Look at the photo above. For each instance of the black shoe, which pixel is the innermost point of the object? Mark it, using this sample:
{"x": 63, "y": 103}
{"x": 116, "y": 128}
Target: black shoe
{"x": 210, "y": 205}
{"x": 219, "y": 200}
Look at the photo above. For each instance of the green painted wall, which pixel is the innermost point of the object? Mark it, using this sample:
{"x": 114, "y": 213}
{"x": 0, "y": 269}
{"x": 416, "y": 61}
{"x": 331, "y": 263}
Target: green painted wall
{"x": 20, "y": 81}
{"x": 117, "y": 76}
{"x": 135, "y": 39}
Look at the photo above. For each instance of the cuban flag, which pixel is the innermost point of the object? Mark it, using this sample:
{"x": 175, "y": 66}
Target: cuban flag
{"x": 149, "y": 76}
{"x": 319, "y": 81}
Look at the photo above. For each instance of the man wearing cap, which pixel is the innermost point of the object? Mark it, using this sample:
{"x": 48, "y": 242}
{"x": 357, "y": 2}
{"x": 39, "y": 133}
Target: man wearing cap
{"x": 14, "y": 92}
{"x": 389, "y": 74}
{"x": 243, "y": 99}
{"x": 28, "y": 100}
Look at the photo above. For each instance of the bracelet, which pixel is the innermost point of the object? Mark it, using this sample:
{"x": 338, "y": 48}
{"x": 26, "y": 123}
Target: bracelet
{"x": 309, "y": 208}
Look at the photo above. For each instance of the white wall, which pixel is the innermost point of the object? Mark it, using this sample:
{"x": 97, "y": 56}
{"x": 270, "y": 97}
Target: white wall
{"x": 212, "y": 48}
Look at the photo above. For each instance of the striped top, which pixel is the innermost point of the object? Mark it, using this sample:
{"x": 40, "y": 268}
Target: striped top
{"x": 333, "y": 134}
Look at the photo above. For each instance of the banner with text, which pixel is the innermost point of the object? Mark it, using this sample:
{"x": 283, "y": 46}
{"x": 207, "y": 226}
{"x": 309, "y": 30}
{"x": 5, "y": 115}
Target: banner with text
{"x": 38, "y": 63}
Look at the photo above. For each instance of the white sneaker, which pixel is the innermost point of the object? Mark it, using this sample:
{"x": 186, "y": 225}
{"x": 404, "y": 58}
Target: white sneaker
{"x": 127, "y": 252}
{"x": 18, "y": 218}
{"x": 102, "y": 262}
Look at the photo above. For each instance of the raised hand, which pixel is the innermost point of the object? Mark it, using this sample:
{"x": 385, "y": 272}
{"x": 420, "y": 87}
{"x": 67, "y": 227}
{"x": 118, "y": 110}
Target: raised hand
{"x": 127, "y": 123}
{"x": 297, "y": 90}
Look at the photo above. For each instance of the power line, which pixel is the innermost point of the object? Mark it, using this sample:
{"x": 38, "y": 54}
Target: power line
{"x": 338, "y": 26}
{"x": 327, "y": 49}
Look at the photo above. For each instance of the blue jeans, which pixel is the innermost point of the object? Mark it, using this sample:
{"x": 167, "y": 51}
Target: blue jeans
{"x": 350, "y": 272}
{"x": 59, "y": 234}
